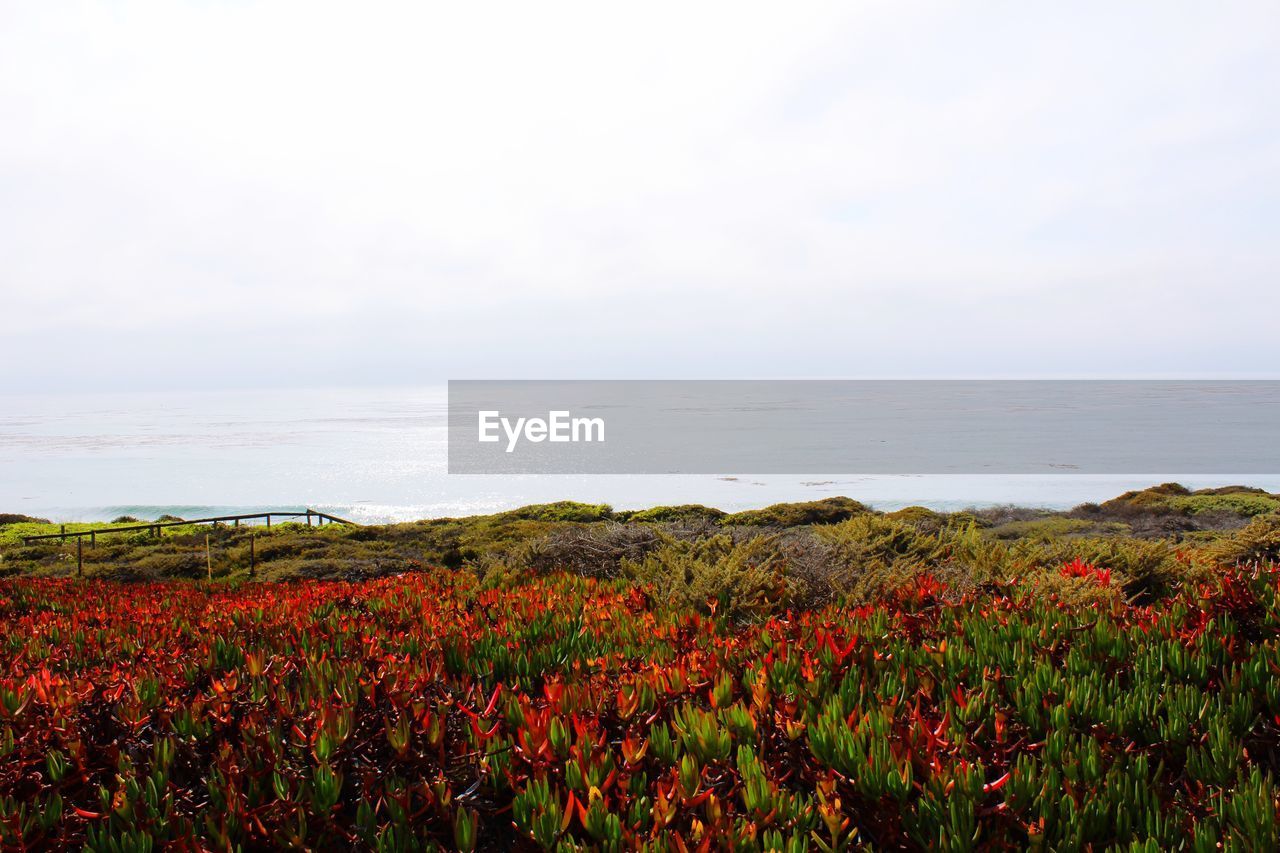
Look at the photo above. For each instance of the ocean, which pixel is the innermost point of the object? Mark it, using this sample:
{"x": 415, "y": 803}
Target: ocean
{"x": 377, "y": 455}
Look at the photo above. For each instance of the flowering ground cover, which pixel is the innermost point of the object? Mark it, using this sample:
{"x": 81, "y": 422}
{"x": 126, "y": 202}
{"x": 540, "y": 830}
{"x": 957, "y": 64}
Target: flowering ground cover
{"x": 426, "y": 710}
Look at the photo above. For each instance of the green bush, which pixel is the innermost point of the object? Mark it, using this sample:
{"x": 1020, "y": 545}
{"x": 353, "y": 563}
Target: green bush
{"x": 1140, "y": 500}
{"x": 870, "y": 553}
{"x": 684, "y": 513}
{"x": 1144, "y": 568}
{"x": 826, "y": 550}
{"x": 1045, "y": 529}
{"x": 919, "y": 517}
{"x": 971, "y": 557}
{"x": 170, "y": 565}
{"x": 737, "y": 579}
{"x": 15, "y": 518}
{"x": 1248, "y": 504}
{"x": 560, "y": 511}
{"x": 867, "y": 541}
{"x": 1256, "y": 542}
{"x": 1232, "y": 490}
{"x": 825, "y": 511}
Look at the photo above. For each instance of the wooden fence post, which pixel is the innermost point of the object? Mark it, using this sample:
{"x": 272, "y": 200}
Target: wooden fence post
{"x": 208, "y": 558}
{"x": 79, "y": 556}
{"x": 253, "y": 558}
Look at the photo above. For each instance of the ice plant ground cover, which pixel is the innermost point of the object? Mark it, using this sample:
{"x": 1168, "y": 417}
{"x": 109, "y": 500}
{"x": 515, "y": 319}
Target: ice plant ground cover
{"x": 425, "y": 710}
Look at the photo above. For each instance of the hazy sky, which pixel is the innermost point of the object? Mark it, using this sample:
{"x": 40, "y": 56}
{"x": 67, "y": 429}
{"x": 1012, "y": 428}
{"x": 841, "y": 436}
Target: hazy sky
{"x": 211, "y": 194}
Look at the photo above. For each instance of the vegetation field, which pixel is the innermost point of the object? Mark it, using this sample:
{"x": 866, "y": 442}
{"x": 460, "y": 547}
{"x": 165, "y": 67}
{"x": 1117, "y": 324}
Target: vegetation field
{"x": 811, "y": 676}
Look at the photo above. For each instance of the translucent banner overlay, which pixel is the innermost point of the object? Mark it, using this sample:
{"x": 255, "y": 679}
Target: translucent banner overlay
{"x": 864, "y": 427}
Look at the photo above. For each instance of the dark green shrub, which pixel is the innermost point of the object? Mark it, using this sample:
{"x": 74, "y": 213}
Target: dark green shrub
{"x": 278, "y": 546}
{"x": 169, "y": 565}
{"x": 559, "y": 511}
{"x": 1145, "y": 568}
{"x": 1256, "y": 542}
{"x": 995, "y": 516}
{"x": 867, "y": 541}
{"x": 920, "y": 517}
{"x": 14, "y": 518}
{"x": 1247, "y": 504}
{"x": 1045, "y": 529}
{"x": 739, "y": 580}
{"x": 1232, "y": 490}
{"x": 674, "y": 514}
{"x": 825, "y": 511}
{"x": 869, "y": 553}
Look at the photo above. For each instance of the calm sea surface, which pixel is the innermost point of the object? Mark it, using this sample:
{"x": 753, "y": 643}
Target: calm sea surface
{"x": 379, "y": 455}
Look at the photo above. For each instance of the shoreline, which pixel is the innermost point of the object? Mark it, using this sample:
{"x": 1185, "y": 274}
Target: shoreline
{"x": 384, "y": 514}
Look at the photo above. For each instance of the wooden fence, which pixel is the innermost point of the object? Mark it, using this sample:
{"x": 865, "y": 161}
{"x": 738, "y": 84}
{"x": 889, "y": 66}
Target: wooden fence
{"x": 155, "y": 527}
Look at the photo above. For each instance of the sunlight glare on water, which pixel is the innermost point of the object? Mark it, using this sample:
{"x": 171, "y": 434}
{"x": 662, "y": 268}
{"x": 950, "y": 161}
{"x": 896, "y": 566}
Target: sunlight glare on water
{"x": 380, "y": 455}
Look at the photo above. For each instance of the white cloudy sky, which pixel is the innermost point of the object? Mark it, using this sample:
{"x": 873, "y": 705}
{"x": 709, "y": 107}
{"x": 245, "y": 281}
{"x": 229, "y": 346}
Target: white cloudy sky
{"x": 391, "y": 193}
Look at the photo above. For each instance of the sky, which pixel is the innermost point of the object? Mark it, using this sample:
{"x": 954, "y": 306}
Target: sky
{"x": 242, "y": 194}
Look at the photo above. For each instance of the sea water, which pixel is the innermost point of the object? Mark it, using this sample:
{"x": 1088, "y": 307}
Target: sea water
{"x": 380, "y": 455}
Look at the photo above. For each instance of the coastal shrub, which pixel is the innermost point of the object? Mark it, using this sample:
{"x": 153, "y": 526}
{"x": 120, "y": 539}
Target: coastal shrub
{"x": 1093, "y": 587}
{"x": 922, "y": 518}
{"x": 684, "y": 513}
{"x": 15, "y": 518}
{"x": 1258, "y": 542}
{"x": 560, "y": 511}
{"x": 867, "y": 541}
{"x": 1001, "y": 514}
{"x": 126, "y": 519}
{"x": 1165, "y": 489}
{"x": 590, "y": 551}
{"x": 1139, "y": 501}
{"x": 1171, "y": 499}
{"x": 1159, "y": 518}
{"x": 186, "y": 564}
{"x": 825, "y": 511}
{"x": 823, "y": 562}
{"x": 1045, "y": 529}
{"x": 11, "y": 534}
{"x": 736, "y": 579}
{"x": 1247, "y": 504}
{"x": 815, "y": 577}
{"x": 451, "y": 542}
{"x": 869, "y": 554}
{"x": 279, "y": 546}
{"x": 1145, "y": 568}
{"x": 1232, "y": 490}
{"x": 349, "y": 569}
